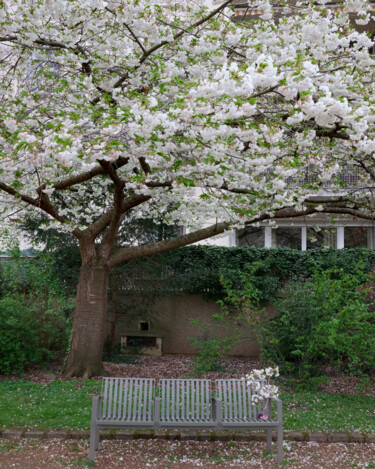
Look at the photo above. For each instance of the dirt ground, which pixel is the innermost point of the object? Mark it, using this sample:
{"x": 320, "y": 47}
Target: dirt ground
{"x": 161, "y": 454}
{"x": 180, "y": 366}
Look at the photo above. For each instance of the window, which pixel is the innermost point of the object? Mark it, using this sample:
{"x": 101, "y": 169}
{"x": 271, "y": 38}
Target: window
{"x": 251, "y": 236}
{"x": 285, "y": 237}
{"x": 321, "y": 238}
{"x": 141, "y": 342}
{"x": 144, "y": 326}
{"x": 308, "y": 237}
{"x": 357, "y": 237}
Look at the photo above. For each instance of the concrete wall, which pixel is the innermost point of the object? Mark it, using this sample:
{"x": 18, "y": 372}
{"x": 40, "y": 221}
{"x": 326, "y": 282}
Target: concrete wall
{"x": 169, "y": 318}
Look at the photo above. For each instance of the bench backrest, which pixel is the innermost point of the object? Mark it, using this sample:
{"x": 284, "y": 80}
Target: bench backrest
{"x": 129, "y": 399}
{"x": 185, "y": 399}
{"x": 235, "y": 395}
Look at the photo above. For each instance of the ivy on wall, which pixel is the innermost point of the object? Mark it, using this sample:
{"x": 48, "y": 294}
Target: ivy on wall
{"x": 197, "y": 269}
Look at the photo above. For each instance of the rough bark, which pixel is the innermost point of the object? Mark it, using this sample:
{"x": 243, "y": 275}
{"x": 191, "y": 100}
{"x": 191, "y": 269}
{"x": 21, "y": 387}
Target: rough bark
{"x": 89, "y": 321}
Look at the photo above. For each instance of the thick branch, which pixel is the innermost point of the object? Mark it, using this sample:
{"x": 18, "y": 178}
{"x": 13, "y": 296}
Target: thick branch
{"x": 83, "y": 177}
{"x": 41, "y": 203}
{"x": 114, "y": 223}
{"x": 101, "y": 224}
{"x": 126, "y": 254}
{"x": 144, "y": 165}
{"x": 25, "y": 198}
{"x": 333, "y": 133}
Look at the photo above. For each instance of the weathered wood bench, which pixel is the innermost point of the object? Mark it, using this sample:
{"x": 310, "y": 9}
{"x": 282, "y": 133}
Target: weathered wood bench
{"x": 181, "y": 404}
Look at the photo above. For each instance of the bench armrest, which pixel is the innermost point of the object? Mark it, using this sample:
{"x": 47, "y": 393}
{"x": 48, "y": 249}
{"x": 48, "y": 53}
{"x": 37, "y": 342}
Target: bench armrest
{"x": 95, "y": 409}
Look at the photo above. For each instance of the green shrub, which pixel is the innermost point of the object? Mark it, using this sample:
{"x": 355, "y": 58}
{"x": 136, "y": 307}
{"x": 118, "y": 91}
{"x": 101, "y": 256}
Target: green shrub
{"x": 212, "y": 348}
{"x": 211, "y": 353}
{"x": 34, "y": 314}
{"x": 17, "y": 338}
{"x": 29, "y": 335}
{"x": 348, "y": 338}
{"x": 325, "y": 320}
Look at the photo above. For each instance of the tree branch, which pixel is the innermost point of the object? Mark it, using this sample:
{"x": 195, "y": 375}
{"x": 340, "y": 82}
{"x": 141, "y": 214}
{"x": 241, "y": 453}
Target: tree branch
{"x": 83, "y": 177}
{"x": 135, "y": 37}
{"x": 110, "y": 236}
{"x": 135, "y": 252}
{"x": 145, "y": 56}
{"x": 42, "y": 203}
{"x": 101, "y": 224}
{"x": 25, "y": 198}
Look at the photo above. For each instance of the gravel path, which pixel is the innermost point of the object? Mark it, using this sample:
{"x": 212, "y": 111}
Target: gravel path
{"x": 160, "y": 454}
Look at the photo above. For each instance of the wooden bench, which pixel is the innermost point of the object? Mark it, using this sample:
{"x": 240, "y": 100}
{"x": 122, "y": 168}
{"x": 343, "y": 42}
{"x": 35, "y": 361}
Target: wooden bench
{"x": 181, "y": 404}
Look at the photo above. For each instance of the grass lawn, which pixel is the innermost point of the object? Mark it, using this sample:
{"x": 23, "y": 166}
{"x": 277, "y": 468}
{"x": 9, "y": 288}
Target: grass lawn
{"x": 67, "y": 405}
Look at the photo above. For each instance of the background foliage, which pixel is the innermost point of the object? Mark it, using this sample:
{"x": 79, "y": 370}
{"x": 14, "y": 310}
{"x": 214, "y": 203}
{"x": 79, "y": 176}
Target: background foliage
{"x": 325, "y": 298}
{"x": 325, "y": 320}
{"x": 199, "y": 269}
{"x": 34, "y": 312}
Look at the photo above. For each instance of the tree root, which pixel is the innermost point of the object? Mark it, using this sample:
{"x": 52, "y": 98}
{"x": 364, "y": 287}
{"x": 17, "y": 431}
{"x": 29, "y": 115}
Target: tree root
{"x": 84, "y": 372}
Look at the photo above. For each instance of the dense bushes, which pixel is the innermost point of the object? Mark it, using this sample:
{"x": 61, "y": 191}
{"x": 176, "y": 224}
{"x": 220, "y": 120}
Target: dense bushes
{"x": 34, "y": 319}
{"x": 327, "y": 320}
{"x": 198, "y": 269}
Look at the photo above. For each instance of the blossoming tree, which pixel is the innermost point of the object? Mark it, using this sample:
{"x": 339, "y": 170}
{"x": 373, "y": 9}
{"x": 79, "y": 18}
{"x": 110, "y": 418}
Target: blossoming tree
{"x": 117, "y": 110}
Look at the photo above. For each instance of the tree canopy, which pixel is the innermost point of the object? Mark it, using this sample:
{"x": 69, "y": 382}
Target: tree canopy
{"x": 129, "y": 107}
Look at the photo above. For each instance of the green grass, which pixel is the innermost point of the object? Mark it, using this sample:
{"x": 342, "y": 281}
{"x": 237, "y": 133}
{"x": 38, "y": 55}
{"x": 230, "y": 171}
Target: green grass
{"x": 67, "y": 406}
{"x": 326, "y": 412}
{"x": 58, "y": 405}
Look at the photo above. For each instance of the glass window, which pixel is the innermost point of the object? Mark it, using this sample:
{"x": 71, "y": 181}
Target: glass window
{"x": 287, "y": 238}
{"x": 251, "y": 236}
{"x": 356, "y": 237}
{"x": 321, "y": 238}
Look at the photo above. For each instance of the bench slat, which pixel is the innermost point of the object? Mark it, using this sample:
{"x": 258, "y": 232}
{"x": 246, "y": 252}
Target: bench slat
{"x": 125, "y": 407}
{"x": 105, "y": 398}
{"x": 236, "y": 398}
{"x": 108, "y": 409}
{"x": 127, "y": 400}
{"x": 162, "y": 398}
{"x": 114, "y": 413}
{"x": 185, "y": 400}
{"x": 120, "y": 397}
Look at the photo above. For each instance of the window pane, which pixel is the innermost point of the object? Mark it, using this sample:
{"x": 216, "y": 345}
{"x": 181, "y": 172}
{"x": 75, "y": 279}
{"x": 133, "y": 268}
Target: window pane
{"x": 321, "y": 238}
{"x": 356, "y": 236}
{"x": 288, "y": 238}
{"x": 251, "y": 236}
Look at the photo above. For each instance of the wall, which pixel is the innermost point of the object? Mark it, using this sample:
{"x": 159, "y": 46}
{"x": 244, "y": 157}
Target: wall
{"x": 169, "y": 319}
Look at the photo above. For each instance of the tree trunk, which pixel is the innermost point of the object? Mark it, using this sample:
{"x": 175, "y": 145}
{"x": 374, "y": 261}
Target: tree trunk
{"x": 89, "y": 321}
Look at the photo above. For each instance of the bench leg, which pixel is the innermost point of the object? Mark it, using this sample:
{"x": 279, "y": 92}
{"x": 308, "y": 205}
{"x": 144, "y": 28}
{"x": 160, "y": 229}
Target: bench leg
{"x": 269, "y": 439}
{"x": 280, "y": 448}
{"x": 94, "y": 442}
{"x": 94, "y": 430}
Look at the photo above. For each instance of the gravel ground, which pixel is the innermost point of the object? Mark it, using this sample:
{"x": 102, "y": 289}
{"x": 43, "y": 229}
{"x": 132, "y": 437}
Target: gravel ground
{"x": 161, "y": 454}
{"x": 180, "y": 366}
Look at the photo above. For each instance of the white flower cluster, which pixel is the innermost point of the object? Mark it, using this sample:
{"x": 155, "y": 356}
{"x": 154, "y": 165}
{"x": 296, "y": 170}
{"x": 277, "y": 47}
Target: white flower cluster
{"x": 233, "y": 110}
{"x": 259, "y": 382}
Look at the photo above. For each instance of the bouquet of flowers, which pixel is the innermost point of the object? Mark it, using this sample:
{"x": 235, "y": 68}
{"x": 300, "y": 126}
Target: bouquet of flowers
{"x": 259, "y": 381}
